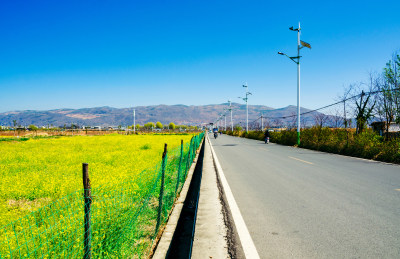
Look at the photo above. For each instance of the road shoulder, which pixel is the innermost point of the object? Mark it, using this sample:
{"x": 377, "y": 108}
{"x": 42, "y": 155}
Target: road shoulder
{"x": 211, "y": 232}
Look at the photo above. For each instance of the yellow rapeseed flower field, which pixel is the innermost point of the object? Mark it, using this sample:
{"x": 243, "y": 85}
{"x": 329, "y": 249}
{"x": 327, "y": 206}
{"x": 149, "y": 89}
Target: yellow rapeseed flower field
{"x": 36, "y": 172}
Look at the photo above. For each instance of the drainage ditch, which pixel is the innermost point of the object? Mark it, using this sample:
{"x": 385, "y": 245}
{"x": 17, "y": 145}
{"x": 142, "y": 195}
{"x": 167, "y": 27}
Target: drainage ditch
{"x": 182, "y": 241}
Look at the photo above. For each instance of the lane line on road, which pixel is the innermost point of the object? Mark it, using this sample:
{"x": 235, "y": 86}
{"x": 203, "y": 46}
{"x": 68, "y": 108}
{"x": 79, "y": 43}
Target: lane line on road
{"x": 397, "y": 190}
{"x": 249, "y": 248}
{"x": 301, "y": 160}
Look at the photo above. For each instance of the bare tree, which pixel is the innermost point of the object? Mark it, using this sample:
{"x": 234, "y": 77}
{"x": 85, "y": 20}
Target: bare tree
{"x": 389, "y": 93}
{"x": 267, "y": 123}
{"x": 365, "y": 104}
{"x": 277, "y": 122}
{"x": 292, "y": 120}
{"x": 337, "y": 119}
{"x": 254, "y": 125}
{"x": 303, "y": 122}
{"x": 320, "y": 119}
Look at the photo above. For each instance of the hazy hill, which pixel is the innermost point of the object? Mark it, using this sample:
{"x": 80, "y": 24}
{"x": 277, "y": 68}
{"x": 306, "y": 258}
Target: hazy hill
{"x": 108, "y": 116}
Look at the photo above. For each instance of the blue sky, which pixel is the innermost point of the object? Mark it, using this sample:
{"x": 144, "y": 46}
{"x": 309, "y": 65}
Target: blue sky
{"x": 75, "y": 54}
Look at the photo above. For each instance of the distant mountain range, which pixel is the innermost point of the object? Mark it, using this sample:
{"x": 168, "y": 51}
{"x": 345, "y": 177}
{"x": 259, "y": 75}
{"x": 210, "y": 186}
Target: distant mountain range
{"x": 179, "y": 114}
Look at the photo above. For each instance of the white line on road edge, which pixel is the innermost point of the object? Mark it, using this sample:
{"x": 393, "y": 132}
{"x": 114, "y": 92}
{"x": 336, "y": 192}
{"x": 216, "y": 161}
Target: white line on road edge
{"x": 300, "y": 160}
{"x": 249, "y": 248}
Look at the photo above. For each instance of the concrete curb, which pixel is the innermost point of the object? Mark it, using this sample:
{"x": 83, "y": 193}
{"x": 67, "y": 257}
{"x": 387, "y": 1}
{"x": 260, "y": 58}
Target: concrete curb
{"x": 162, "y": 246}
{"x": 210, "y": 237}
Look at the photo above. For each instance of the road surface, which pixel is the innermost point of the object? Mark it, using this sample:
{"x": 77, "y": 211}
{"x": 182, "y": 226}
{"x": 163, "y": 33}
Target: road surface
{"x": 300, "y": 203}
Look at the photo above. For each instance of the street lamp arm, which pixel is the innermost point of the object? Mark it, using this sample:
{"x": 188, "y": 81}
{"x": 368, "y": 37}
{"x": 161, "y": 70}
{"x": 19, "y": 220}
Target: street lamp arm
{"x": 291, "y": 58}
{"x": 294, "y": 59}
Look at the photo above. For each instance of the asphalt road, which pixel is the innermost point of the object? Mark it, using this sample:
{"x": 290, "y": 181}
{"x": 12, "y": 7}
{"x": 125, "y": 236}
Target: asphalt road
{"x": 300, "y": 203}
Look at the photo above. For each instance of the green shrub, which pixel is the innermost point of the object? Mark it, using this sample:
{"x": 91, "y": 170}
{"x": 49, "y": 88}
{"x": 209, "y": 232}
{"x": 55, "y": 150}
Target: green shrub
{"x": 339, "y": 141}
{"x": 145, "y": 147}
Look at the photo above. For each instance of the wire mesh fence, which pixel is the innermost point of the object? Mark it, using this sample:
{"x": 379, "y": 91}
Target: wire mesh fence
{"x": 113, "y": 221}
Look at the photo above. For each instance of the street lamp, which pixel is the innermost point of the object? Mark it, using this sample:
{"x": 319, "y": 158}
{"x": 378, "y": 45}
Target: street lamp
{"x": 262, "y": 122}
{"x": 220, "y": 117}
{"x": 230, "y": 109}
{"x": 297, "y": 61}
{"x": 225, "y": 121}
{"x": 247, "y": 107}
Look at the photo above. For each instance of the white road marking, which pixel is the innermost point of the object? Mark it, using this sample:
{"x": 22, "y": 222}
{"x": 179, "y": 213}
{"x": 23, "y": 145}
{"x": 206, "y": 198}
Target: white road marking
{"x": 300, "y": 160}
{"x": 249, "y": 248}
{"x": 397, "y": 190}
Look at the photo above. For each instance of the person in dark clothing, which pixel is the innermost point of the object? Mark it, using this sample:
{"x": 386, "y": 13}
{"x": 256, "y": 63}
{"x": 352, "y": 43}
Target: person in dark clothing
{"x": 266, "y": 136}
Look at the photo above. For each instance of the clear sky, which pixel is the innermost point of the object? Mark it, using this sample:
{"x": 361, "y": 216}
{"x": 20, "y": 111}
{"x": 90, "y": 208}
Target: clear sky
{"x": 75, "y": 54}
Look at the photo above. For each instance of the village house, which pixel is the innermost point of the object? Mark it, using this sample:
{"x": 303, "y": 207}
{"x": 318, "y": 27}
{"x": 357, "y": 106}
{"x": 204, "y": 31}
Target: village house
{"x": 380, "y": 127}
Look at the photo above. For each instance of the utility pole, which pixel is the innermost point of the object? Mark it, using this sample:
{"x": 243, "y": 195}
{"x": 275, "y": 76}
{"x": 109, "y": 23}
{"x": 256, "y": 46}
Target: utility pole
{"x": 134, "y": 123}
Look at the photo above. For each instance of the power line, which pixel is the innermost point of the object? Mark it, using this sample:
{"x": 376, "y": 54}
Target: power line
{"x": 327, "y": 106}
{"x": 342, "y": 101}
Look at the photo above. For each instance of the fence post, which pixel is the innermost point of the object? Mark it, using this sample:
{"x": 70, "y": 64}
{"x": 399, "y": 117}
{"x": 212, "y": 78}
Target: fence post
{"x": 179, "y": 168}
{"x": 88, "y": 201}
{"x": 188, "y": 158}
{"x": 160, "y": 197}
{"x": 194, "y": 147}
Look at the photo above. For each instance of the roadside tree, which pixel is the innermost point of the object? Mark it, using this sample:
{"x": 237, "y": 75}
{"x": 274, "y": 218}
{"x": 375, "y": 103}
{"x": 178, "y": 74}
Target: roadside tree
{"x": 159, "y": 125}
{"x": 33, "y": 128}
{"x": 149, "y": 126}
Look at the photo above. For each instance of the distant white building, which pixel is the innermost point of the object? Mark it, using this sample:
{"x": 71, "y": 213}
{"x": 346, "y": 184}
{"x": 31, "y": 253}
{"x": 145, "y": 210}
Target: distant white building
{"x": 380, "y": 127}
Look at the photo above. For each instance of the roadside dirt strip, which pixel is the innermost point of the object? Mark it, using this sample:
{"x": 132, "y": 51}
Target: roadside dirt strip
{"x": 241, "y": 244}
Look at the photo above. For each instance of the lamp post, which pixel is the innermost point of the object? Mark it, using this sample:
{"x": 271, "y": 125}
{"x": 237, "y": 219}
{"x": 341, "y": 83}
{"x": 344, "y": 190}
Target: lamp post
{"x": 247, "y": 107}
{"x": 225, "y": 122}
{"x": 230, "y": 109}
{"x": 297, "y": 61}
